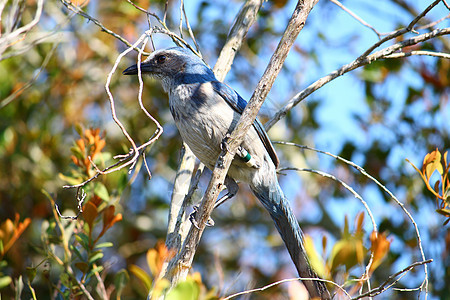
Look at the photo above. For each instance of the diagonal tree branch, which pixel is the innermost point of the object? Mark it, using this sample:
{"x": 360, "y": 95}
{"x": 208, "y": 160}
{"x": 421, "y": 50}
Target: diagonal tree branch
{"x": 388, "y": 52}
{"x": 177, "y": 232}
{"x": 186, "y": 256}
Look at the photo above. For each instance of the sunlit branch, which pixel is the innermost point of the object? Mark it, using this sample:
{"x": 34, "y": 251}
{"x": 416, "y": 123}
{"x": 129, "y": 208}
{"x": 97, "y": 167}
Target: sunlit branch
{"x": 261, "y": 289}
{"x": 419, "y": 52}
{"x": 386, "y": 190}
{"x": 359, "y": 62}
{"x": 391, "y": 280}
{"x": 8, "y": 39}
{"x": 80, "y": 12}
{"x": 359, "y": 19}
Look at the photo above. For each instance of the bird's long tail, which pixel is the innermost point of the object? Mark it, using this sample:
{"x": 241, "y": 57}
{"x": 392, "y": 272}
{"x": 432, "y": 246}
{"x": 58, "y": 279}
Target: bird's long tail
{"x": 273, "y": 199}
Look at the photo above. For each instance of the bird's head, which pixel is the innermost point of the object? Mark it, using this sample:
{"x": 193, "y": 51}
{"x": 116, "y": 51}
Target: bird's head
{"x": 173, "y": 66}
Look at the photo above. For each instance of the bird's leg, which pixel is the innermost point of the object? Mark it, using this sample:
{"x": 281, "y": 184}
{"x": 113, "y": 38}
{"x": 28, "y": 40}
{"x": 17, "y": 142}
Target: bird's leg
{"x": 232, "y": 188}
{"x": 247, "y": 158}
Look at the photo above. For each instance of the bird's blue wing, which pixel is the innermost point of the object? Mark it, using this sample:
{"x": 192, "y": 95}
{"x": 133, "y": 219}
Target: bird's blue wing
{"x": 239, "y": 104}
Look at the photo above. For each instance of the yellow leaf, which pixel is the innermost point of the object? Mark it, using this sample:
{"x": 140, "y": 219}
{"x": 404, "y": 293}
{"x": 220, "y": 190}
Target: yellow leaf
{"x": 317, "y": 262}
{"x": 431, "y": 163}
{"x": 142, "y": 276}
{"x": 346, "y": 252}
{"x": 152, "y": 258}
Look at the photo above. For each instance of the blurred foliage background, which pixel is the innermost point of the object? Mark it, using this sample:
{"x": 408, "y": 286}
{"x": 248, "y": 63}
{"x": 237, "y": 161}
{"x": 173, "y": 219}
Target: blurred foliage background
{"x": 54, "y": 112}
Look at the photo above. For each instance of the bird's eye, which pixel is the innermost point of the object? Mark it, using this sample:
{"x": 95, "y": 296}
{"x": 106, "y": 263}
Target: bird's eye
{"x": 160, "y": 59}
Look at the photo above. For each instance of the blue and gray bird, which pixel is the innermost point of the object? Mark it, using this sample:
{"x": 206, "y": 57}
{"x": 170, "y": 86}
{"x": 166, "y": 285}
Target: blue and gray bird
{"x": 205, "y": 112}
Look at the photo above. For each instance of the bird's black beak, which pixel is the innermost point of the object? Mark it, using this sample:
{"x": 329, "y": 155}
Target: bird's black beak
{"x": 133, "y": 70}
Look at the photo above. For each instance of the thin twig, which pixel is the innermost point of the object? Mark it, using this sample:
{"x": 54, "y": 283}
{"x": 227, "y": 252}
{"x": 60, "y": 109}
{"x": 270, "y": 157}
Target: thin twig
{"x": 19, "y": 91}
{"x": 345, "y": 185}
{"x": 159, "y": 129}
{"x": 385, "y": 285}
{"x": 359, "y": 19}
{"x": 419, "y": 52}
{"x": 402, "y": 206}
{"x": 8, "y": 37}
{"x": 400, "y": 32}
{"x": 180, "y": 26}
{"x": 80, "y": 201}
{"x": 80, "y": 12}
{"x": 432, "y": 24}
{"x": 359, "y": 62}
{"x": 365, "y": 277}
{"x": 191, "y": 33}
{"x": 287, "y": 280}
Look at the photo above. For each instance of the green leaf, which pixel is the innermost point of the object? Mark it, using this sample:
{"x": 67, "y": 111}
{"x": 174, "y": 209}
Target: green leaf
{"x": 75, "y": 250}
{"x": 3, "y": 264}
{"x": 5, "y": 281}
{"x": 120, "y": 281}
{"x": 104, "y": 245}
{"x": 83, "y": 239}
{"x": 95, "y": 256}
{"x": 186, "y": 290}
{"x": 31, "y": 273}
{"x": 101, "y": 191}
{"x": 70, "y": 179}
{"x": 97, "y": 269}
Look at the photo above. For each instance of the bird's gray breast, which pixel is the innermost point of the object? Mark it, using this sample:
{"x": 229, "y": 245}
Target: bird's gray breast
{"x": 203, "y": 119}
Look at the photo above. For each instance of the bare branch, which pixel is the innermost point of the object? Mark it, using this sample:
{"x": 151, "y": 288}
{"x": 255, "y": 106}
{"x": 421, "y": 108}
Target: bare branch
{"x": 245, "y": 19}
{"x": 7, "y": 39}
{"x": 397, "y": 33}
{"x": 359, "y": 19}
{"x": 446, "y": 4}
{"x": 432, "y": 24}
{"x": 78, "y": 11}
{"x": 129, "y": 159}
{"x": 181, "y": 192}
{"x": 36, "y": 75}
{"x": 359, "y": 62}
{"x": 391, "y": 280}
{"x": 287, "y": 280}
{"x": 386, "y": 190}
{"x": 191, "y": 33}
{"x": 80, "y": 201}
{"x": 420, "y": 52}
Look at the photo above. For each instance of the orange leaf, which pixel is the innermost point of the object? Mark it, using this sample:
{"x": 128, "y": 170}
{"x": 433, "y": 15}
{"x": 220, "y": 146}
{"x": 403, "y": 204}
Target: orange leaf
{"x": 90, "y": 212}
{"x": 380, "y": 248}
{"x": 359, "y": 223}
{"x": 80, "y": 143}
{"x": 109, "y": 219}
{"x": 10, "y": 232}
{"x": 157, "y": 256}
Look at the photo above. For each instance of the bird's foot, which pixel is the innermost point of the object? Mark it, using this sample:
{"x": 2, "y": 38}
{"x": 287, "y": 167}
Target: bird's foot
{"x": 224, "y": 144}
{"x": 194, "y": 222}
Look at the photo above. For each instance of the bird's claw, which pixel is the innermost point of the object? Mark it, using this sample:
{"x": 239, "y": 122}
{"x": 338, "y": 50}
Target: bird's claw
{"x": 194, "y": 222}
{"x": 224, "y": 144}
